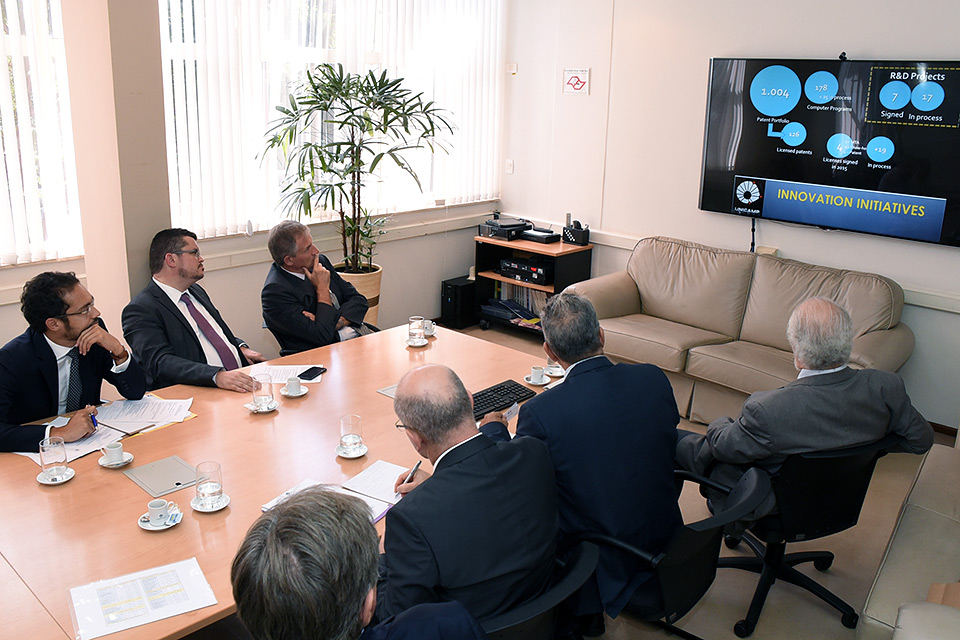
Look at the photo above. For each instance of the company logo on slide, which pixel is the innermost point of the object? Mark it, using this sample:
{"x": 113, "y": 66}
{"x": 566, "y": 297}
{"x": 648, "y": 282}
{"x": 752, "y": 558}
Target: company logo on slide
{"x": 748, "y": 196}
{"x": 748, "y": 192}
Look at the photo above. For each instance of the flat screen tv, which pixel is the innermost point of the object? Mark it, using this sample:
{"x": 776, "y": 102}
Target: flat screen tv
{"x": 867, "y": 146}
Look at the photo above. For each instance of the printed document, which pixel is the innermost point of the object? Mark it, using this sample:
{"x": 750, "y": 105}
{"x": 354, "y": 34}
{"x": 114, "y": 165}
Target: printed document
{"x": 279, "y": 373}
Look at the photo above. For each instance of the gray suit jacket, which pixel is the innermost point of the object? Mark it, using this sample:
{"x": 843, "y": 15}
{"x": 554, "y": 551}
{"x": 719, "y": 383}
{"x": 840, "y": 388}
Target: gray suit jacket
{"x": 815, "y": 413}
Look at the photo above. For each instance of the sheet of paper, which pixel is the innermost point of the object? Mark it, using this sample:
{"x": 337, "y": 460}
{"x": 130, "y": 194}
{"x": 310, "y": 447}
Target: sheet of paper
{"x": 100, "y": 438}
{"x": 390, "y": 391}
{"x": 378, "y": 508}
{"x": 148, "y": 409}
{"x": 129, "y": 601}
{"x": 377, "y": 481}
{"x": 279, "y": 373}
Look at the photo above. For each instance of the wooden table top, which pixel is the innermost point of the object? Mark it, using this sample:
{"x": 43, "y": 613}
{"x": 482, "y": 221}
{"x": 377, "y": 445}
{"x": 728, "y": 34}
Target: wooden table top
{"x": 59, "y": 537}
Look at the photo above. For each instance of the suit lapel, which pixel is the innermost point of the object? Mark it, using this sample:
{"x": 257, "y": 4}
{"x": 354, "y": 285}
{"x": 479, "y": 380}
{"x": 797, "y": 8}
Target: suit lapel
{"x": 48, "y": 364}
{"x": 164, "y": 301}
{"x": 306, "y": 291}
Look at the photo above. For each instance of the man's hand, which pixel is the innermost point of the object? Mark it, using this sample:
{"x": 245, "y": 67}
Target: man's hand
{"x": 405, "y": 488}
{"x": 95, "y": 334}
{"x": 320, "y": 279}
{"x": 235, "y": 380}
{"x": 493, "y": 416}
{"x": 342, "y": 322}
{"x": 310, "y": 316}
{"x": 251, "y": 355}
{"x": 79, "y": 426}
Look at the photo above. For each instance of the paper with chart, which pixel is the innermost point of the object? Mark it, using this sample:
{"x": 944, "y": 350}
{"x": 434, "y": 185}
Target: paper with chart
{"x": 129, "y": 601}
{"x": 279, "y": 373}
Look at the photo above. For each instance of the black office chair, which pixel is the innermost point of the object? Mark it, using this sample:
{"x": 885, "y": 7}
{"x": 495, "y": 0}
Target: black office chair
{"x": 685, "y": 570}
{"x": 818, "y": 494}
{"x": 536, "y": 619}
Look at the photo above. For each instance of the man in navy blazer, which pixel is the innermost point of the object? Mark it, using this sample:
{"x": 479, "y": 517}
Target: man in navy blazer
{"x": 308, "y": 569}
{"x": 482, "y": 529}
{"x": 173, "y": 328}
{"x": 36, "y": 368}
{"x": 611, "y": 432}
{"x": 306, "y": 304}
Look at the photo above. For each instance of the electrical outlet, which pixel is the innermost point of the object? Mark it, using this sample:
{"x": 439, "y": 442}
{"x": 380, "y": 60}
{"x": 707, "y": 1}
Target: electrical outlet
{"x": 508, "y": 166}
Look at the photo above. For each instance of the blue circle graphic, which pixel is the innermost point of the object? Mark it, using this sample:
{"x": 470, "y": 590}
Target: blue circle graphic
{"x": 880, "y": 149}
{"x": 927, "y": 96}
{"x": 775, "y": 90}
{"x": 794, "y": 134}
{"x": 895, "y": 95}
{"x": 839, "y": 145}
{"x": 821, "y": 87}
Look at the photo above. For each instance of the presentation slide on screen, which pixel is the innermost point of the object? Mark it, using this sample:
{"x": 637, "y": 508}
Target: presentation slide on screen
{"x": 861, "y": 146}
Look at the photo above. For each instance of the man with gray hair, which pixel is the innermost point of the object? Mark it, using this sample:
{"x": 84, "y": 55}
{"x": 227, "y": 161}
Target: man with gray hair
{"x": 482, "y": 529}
{"x": 307, "y": 569}
{"x": 828, "y": 406}
{"x": 611, "y": 430}
{"x": 306, "y": 304}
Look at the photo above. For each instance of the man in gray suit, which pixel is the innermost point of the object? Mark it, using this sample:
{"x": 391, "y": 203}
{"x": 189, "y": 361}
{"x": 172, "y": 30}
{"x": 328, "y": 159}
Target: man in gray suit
{"x": 828, "y": 406}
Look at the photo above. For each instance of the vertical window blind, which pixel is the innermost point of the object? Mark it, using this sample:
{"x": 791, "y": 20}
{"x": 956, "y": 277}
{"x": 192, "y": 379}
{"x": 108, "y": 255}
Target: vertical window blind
{"x": 39, "y": 210}
{"x": 229, "y": 63}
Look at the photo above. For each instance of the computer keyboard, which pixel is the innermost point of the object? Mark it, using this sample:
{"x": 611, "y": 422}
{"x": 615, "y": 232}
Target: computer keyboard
{"x": 499, "y": 397}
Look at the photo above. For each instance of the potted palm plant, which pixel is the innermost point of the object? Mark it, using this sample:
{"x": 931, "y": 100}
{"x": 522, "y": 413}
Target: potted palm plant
{"x": 332, "y": 137}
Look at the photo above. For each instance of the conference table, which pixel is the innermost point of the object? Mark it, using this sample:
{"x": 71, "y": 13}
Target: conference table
{"x": 53, "y": 538}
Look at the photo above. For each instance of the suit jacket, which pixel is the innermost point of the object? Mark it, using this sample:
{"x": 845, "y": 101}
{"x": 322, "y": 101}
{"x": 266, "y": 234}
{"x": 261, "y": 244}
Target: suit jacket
{"x": 611, "y": 432}
{"x": 437, "y": 621}
{"x": 481, "y": 531}
{"x": 813, "y": 413}
{"x": 29, "y": 388}
{"x": 285, "y": 296}
{"x": 165, "y": 343}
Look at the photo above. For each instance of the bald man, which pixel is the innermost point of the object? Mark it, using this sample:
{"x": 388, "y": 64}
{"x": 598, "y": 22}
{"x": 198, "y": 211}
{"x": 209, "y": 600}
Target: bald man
{"x": 481, "y": 530}
{"x": 828, "y": 406}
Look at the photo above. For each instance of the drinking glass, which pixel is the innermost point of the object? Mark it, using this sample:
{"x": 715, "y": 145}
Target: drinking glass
{"x": 553, "y": 368}
{"x": 415, "y": 331}
{"x": 53, "y": 458}
{"x": 209, "y": 484}
{"x": 351, "y": 434}
{"x": 262, "y": 391}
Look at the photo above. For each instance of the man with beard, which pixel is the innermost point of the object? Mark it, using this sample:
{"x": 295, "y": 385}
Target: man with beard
{"x": 173, "y": 327}
{"x": 59, "y": 363}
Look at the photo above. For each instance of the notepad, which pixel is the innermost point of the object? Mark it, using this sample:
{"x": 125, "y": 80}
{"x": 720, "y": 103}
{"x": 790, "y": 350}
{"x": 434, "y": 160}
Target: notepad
{"x": 378, "y": 508}
{"x": 163, "y": 476}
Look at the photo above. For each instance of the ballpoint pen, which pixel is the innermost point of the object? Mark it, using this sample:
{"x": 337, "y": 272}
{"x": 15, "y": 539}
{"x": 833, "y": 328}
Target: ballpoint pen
{"x": 410, "y": 475}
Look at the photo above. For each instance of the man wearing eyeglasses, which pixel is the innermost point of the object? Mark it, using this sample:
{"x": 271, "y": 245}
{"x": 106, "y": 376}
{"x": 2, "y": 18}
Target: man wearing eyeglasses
{"x": 59, "y": 363}
{"x": 173, "y": 327}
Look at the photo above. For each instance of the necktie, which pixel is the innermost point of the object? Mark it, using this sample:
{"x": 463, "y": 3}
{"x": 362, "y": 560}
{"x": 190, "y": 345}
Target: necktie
{"x": 227, "y": 357}
{"x": 74, "y": 389}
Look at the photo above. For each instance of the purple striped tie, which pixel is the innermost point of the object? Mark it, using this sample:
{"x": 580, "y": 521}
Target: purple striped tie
{"x": 227, "y": 357}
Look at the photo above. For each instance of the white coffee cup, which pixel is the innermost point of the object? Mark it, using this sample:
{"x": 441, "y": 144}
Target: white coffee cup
{"x": 112, "y": 453}
{"x": 293, "y": 385}
{"x": 536, "y": 374}
{"x": 429, "y": 327}
{"x": 159, "y": 511}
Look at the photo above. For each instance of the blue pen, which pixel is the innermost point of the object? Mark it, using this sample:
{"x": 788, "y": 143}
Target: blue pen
{"x": 94, "y": 419}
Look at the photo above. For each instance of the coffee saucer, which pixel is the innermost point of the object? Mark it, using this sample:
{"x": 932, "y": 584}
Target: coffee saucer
{"x": 361, "y": 451}
{"x": 270, "y": 407}
{"x": 42, "y": 477}
{"x": 127, "y": 459}
{"x": 554, "y": 371}
{"x": 172, "y": 520}
{"x": 422, "y": 342}
{"x": 285, "y": 392}
{"x": 220, "y": 504}
{"x": 536, "y": 384}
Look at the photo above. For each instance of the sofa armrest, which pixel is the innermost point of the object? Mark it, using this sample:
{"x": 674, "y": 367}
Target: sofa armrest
{"x": 612, "y": 295}
{"x": 887, "y": 349}
{"x": 926, "y": 620}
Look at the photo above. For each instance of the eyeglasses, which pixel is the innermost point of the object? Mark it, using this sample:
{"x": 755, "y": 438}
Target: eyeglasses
{"x": 194, "y": 252}
{"x": 400, "y": 426}
{"x": 85, "y": 310}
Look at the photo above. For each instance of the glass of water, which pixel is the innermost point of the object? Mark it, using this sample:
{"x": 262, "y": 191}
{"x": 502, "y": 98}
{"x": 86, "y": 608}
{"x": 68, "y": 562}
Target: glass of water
{"x": 209, "y": 485}
{"x": 262, "y": 392}
{"x": 415, "y": 330}
{"x": 351, "y": 434}
{"x": 53, "y": 458}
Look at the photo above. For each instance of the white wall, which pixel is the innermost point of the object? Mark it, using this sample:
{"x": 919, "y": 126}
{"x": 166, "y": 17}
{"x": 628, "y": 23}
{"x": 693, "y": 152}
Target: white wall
{"x": 626, "y": 158}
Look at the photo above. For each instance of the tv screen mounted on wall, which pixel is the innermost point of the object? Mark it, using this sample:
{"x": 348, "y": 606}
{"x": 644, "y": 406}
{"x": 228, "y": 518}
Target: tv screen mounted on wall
{"x": 867, "y": 146}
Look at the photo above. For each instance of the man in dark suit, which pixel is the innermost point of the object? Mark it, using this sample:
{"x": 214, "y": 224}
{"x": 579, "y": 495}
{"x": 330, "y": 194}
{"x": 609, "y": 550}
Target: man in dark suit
{"x": 308, "y": 569}
{"x": 611, "y": 432}
{"x": 306, "y": 304}
{"x": 828, "y": 406}
{"x": 59, "y": 363}
{"x": 481, "y": 530}
{"x": 174, "y": 329}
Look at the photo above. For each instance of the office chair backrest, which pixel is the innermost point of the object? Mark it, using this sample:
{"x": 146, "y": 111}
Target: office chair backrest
{"x": 535, "y": 619}
{"x": 821, "y": 493}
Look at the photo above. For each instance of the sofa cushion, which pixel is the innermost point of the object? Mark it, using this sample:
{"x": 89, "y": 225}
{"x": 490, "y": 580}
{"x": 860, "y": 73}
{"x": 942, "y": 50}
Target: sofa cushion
{"x": 643, "y": 338}
{"x": 691, "y": 283}
{"x": 779, "y": 285}
{"x": 740, "y": 365}
{"x": 926, "y": 621}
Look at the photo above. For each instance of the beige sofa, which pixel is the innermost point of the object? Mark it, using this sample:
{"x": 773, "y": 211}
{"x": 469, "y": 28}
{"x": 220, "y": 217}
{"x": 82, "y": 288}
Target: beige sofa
{"x": 715, "y": 320}
{"x": 922, "y": 550}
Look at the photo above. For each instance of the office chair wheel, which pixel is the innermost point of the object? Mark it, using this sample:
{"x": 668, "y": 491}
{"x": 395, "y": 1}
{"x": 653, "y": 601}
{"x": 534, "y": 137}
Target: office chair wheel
{"x": 743, "y": 629}
{"x": 731, "y": 542}
{"x": 484, "y": 324}
{"x": 850, "y": 620}
{"x": 822, "y": 564}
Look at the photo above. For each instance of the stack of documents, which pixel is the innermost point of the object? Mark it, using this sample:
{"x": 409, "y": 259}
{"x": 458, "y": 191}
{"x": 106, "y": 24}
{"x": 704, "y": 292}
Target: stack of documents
{"x": 131, "y": 416}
